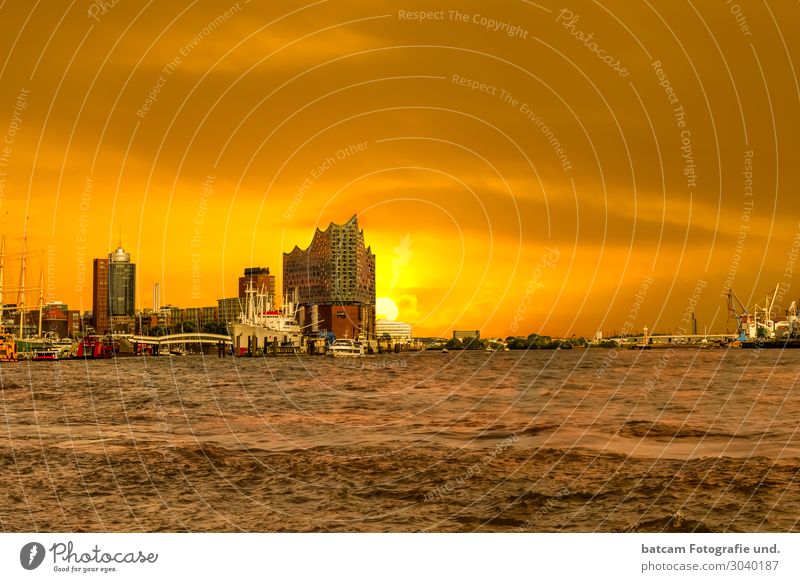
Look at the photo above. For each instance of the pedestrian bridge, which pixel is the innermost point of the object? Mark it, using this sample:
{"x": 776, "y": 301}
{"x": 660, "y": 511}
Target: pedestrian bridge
{"x": 179, "y": 338}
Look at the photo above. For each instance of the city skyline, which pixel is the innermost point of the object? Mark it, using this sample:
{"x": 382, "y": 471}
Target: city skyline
{"x": 519, "y": 183}
{"x": 390, "y": 311}
{"x": 264, "y": 282}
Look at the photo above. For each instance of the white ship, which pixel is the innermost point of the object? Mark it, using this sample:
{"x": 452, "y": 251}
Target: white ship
{"x": 345, "y": 347}
{"x": 264, "y": 329}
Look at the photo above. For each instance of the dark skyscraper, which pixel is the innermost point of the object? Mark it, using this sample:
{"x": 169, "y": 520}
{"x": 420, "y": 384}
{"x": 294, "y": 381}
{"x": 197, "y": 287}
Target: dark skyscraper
{"x": 113, "y": 292}
{"x": 333, "y": 281}
{"x": 100, "y": 319}
{"x": 121, "y": 284}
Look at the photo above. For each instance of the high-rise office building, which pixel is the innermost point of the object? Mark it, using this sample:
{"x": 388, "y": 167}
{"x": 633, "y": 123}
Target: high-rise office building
{"x": 100, "y": 319}
{"x": 333, "y": 281}
{"x": 114, "y": 292}
{"x": 121, "y": 284}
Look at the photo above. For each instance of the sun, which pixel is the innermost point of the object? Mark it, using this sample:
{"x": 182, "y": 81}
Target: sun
{"x": 385, "y": 308}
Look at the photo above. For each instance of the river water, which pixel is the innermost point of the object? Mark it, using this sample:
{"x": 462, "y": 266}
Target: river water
{"x": 570, "y": 440}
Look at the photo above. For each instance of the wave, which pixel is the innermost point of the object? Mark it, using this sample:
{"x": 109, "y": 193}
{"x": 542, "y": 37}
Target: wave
{"x": 671, "y": 523}
{"x": 668, "y": 430}
{"x": 9, "y": 385}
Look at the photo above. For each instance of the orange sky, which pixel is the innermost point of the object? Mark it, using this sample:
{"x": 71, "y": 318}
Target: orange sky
{"x": 513, "y": 174}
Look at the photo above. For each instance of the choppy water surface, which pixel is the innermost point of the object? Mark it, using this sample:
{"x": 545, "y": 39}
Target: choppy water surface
{"x": 687, "y": 440}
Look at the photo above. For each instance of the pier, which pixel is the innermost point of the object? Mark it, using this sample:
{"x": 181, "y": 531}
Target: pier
{"x": 684, "y": 339}
{"x": 136, "y": 343}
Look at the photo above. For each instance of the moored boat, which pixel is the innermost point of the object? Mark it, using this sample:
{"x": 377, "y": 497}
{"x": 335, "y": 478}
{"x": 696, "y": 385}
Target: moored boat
{"x": 264, "y": 330}
{"x": 345, "y": 347}
{"x": 95, "y": 347}
{"x": 8, "y": 347}
{"x": 45, "y": 354}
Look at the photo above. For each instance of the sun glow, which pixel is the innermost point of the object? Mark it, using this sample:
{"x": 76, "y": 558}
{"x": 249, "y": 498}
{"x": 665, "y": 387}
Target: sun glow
{"x": 386, "y": 308}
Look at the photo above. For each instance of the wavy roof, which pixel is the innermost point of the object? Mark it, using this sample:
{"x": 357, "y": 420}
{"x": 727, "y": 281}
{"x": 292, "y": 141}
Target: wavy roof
{"x": 319, "y": 232}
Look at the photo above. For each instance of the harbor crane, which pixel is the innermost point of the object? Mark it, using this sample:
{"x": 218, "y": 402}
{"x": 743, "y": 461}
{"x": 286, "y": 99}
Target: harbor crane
{"x": 739, "y": 312}
{"x": 758, "y": 324}
{"x": 792, "y": 321}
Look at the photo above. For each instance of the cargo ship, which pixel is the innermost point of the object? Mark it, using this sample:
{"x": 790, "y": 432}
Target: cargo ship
{"x": 264, "y": 330}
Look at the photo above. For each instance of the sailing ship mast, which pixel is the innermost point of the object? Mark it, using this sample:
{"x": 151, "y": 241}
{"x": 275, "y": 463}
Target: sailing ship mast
{"x": 21, "y": 294}
{"x": 41, "y": 296}
{"x": 2, "y": 269}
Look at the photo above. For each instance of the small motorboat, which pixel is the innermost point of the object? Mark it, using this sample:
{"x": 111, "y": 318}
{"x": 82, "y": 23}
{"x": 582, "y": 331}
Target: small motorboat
{"x": 45, "y": 354}
{"x": 345, "y": 348}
